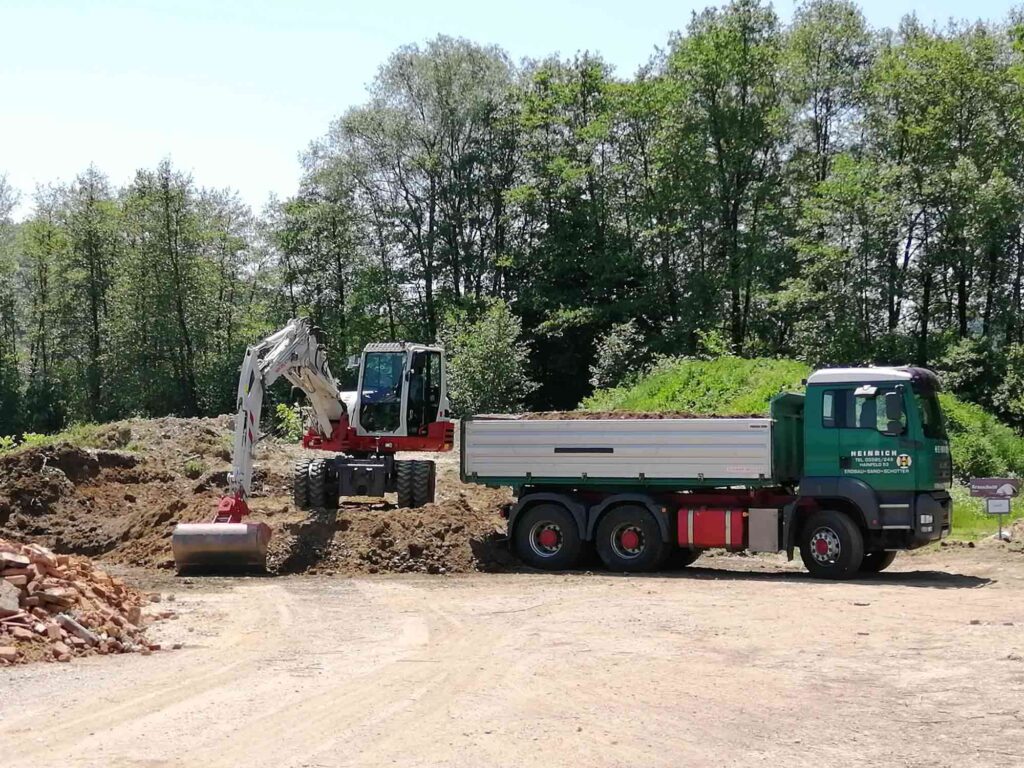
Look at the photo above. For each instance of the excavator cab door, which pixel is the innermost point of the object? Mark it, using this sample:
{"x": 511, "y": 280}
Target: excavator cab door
{"x": 382, "y": 392}
{"x": 425, "y": 391}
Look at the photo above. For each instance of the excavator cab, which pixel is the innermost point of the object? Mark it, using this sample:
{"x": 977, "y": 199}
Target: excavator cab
{"x": 401, "y": 390}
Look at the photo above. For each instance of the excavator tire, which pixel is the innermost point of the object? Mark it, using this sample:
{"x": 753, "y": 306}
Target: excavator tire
{"x": 318, "y": 495}
{"x": 404, "y": 484}
{"x": 300, "y": 484}
{"x": 423, "y": 483}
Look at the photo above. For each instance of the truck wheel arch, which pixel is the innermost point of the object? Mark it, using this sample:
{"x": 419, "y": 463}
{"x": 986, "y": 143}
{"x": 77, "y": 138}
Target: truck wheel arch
{"x": 661, "y": 516}
{"x": 846, "y": 494}
{"x": 575, "y": 508}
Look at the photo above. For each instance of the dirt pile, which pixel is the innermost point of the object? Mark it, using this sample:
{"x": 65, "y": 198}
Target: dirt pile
{"x": 448, "y": 537}
{"x": 595, "y": 415}
{"x": 121, "y": 500}
{"x": 55, "y": 607}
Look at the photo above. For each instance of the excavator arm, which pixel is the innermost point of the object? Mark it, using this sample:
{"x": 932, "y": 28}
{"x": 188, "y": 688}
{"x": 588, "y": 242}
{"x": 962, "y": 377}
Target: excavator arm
{"x": 295, "y": 353}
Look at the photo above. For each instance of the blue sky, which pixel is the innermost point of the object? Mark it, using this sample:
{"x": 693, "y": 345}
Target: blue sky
{"x": 233, "y": 90}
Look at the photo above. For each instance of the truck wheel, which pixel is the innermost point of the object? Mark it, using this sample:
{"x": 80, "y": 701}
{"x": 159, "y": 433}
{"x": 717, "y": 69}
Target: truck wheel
{"x": 423, "y": 483}
{"x": 546, "y": 536}
{"x": 876, "y": 562}
{"x": 404, "y": 484}
{"x": 300, "y": 484}
{"x": 629, "y": 539}
{"x": 831, "y": 545}
{"x": 318, "y": 484}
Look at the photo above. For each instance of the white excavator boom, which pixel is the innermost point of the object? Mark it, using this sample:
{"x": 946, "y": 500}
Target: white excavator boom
{"x": 295, "y": 353}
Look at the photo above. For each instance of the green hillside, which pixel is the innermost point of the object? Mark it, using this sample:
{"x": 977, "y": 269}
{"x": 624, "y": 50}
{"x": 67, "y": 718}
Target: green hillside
{"x": 981, "y": 445}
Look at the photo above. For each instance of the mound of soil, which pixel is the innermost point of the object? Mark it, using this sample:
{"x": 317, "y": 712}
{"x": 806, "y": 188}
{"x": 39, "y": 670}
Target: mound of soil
{"x": 449, "y": 537}
{"x": 596, "y": 415}
{"x": 120, "y": 503}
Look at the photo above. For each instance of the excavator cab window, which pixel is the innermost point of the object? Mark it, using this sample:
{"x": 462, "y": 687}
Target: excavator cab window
{"x": 424, "y": 391}
{"x": 380, "y": 400}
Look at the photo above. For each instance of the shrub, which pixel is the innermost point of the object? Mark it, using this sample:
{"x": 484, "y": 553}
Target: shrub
{"x": 194, "y": 468}
{"x": 288, "y": 422}
{"x": 622, "y": 354}
{"x": 487, "y": 362}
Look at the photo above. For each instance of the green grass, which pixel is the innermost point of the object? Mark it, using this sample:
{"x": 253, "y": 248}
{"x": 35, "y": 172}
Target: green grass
{"x": 970, "y": 521}
{"x": 726, "y": 386}
{"x": 79, "y": 435}
{"x": 980, "y": 444}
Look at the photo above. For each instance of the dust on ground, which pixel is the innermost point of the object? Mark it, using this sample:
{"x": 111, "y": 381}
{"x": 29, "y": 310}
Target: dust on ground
{"x": 120, "y": 502}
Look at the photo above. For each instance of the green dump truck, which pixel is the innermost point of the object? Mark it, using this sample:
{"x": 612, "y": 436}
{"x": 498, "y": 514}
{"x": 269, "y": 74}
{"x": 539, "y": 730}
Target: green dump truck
{"x": 849, "y": 472}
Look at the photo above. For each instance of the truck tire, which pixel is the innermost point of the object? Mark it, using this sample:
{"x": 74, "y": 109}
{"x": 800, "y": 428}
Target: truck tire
{"x": 404, "y": 484}
{"x": 831, "y": 545}
{"x": 629, "y": 539}
{"x": 877, "y": 561}
{"x": 546, "y": 536}
{"x": 300, "y": 484}
{"x": 423, "y": 485}
{"x": 318, "y": 493}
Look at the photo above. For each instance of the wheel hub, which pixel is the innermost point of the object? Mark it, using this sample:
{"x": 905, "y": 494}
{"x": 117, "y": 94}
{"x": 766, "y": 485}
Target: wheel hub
{"x": 825, "y": 545}
{"x": 546, "y": 539}
{"x": 628, "y": 541}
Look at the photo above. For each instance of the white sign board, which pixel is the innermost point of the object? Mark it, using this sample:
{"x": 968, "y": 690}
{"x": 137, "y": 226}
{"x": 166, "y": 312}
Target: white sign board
{"x": 998, "y": 506}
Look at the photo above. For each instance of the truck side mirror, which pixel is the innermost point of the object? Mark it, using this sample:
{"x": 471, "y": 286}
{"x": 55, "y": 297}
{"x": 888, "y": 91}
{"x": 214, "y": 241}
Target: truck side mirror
{"x": 894, "y": 411}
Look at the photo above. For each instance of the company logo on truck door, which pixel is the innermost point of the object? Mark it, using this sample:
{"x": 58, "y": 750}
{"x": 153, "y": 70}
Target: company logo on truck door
{"x": 878, "y": 462}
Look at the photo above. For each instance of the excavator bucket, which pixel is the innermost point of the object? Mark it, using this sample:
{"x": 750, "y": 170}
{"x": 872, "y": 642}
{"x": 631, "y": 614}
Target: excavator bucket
{"x": 220, "y": 547}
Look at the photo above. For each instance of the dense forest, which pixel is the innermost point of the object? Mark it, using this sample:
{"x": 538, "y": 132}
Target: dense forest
{"x": 815, "y": 189}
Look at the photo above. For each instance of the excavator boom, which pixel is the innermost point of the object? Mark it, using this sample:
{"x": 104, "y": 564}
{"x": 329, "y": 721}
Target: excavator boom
{"x": 228, "y": 542}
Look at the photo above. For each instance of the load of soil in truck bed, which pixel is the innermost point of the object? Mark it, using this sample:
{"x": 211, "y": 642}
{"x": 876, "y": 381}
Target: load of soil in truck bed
{"x": 597, "y": 415}
{"x": 120, "y": 501}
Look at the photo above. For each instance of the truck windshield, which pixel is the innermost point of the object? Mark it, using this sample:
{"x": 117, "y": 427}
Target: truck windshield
{"x": 931, "y": 415}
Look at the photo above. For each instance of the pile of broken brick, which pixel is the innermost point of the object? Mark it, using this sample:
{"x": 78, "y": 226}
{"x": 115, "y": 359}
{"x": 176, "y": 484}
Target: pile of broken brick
{"x": 54, "y": 607}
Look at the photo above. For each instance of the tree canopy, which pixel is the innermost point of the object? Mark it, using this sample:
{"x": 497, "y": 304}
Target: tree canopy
{"x": 815, "y": 189}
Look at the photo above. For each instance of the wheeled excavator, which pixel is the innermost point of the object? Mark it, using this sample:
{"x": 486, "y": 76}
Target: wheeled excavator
{"x": 400, "y": 404}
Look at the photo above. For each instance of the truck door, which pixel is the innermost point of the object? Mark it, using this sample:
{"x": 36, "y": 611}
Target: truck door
{"x": 821, "y": 432}
{"x": 871, "y": 447}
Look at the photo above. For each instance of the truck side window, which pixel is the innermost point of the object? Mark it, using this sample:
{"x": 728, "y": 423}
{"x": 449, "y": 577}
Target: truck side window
{"x": 838, "y": 409}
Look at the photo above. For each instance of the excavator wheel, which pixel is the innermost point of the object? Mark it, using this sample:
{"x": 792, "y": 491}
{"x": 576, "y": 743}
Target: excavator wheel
{"x": 300, "y": 484}
{"x": 318, "y": 491}
{"x": 404, "y": 483}
{"x": 423, "y": 483}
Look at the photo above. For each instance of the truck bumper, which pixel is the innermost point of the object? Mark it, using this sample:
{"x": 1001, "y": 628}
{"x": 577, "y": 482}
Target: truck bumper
{"x": 933, "y": 518}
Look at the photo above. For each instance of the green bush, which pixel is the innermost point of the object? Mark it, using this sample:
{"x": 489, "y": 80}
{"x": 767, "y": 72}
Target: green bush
{"x": 974, "y": 456}
{"x": 194, "y": 468}
{"x": 979, "y": 443}
{"x": 622, "y": 355}
{"x": 487, "y": 362}
{"x": 288, "y": 422}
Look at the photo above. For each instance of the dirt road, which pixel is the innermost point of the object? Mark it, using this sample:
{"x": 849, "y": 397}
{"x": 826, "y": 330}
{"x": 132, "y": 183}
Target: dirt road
{"x": 715, "y": 666}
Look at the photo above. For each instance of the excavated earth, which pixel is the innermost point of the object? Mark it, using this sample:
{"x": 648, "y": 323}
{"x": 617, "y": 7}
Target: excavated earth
{"x": 119, "y": 502}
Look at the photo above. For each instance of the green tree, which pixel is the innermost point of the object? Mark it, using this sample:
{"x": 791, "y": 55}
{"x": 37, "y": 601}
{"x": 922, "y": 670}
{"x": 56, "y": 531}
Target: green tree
{"x": 487, "y": 369}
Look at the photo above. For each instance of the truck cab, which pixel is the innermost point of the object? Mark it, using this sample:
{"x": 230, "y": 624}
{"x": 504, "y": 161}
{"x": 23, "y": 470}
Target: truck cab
{"x": 875, "y": 443}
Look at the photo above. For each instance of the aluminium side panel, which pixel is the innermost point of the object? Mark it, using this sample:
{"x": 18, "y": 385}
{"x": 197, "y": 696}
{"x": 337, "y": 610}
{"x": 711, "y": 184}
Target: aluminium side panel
{"x": 617, "y": 450}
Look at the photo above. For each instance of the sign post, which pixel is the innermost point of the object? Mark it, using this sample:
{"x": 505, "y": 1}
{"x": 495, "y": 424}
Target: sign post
{"x": 997, "y": 492}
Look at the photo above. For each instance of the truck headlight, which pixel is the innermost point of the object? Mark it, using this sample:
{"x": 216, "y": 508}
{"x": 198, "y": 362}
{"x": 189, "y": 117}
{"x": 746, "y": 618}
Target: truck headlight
{"x": 927, "y": 519}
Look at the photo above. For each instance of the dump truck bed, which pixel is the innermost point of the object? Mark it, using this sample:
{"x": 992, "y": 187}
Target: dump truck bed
{"x": 510, "y": 450}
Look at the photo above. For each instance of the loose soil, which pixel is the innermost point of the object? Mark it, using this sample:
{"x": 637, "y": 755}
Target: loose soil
{"x": 120, "y": 503}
